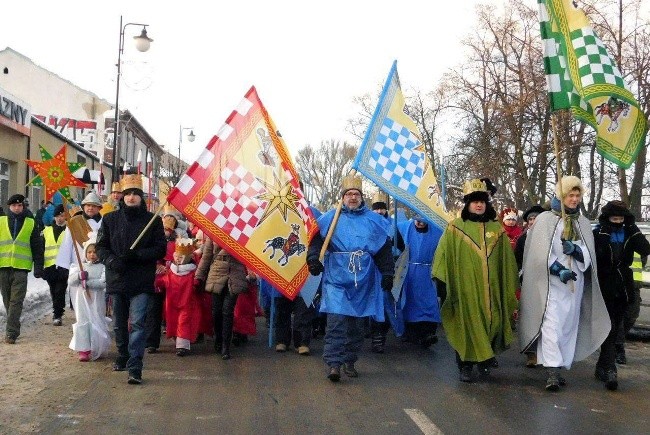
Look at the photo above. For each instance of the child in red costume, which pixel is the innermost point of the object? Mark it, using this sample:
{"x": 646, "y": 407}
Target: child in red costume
{"x": 182, "y": 307}
{"x": 509, "y": 218}
{"x": 246, "y": 309}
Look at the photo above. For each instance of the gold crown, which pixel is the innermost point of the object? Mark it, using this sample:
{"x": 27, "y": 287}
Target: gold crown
{"x": 115, "y": 187}
{"x": 131, "y": 181}
{"x": 184, "y": 246}
{"x": 169, "y": 209}
{"x": 351, "y": 182}
{"x": 474, "y": 185}
{"x": 380, "y": 197}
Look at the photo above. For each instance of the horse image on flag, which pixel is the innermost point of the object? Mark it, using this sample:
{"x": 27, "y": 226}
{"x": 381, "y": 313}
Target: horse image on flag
{"x": 243, "y": 193}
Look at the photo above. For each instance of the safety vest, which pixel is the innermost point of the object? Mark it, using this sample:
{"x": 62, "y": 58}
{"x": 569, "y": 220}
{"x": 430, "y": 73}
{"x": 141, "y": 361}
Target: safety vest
{"x": 637, "y": 268}
{"x": 16, "y": 253}
{"x": 51, "y": 245}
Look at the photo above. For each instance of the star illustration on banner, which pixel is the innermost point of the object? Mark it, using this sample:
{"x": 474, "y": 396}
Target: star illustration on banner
{"x": 280, "y": 197}
{"x": 54, "y": 173}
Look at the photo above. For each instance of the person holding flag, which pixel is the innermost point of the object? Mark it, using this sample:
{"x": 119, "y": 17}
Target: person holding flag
{"x": 357, "y": 258}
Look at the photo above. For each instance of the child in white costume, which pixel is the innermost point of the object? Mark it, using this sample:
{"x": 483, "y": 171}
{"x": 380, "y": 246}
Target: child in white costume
{"x": 90, "y": 334}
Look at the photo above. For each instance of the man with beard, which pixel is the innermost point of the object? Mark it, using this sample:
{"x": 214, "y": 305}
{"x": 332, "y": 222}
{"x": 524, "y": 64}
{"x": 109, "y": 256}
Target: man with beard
{"x": 476, "y": 266}
{"x": 358, "y": 265}
{"x": 130, "y": 272}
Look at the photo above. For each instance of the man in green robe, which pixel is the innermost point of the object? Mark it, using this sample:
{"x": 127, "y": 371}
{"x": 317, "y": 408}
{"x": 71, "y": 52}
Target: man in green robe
{"x": 476, "y": 264}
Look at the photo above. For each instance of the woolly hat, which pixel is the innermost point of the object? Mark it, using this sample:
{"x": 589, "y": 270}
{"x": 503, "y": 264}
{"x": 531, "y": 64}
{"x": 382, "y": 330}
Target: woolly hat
{"x": 569, "y": 183}
{"x": 92, "y": 199}
{"x": 379, "y": 201}
{"x": 59, "y": 209}
{"x": 92, "y": 241}
{"x": 533, "y": 211}
{"x": 351, "y": 182}
{"x": 615, "y": 208}
{"x": 475, "y": 190}
{"x": 16, "y": 199}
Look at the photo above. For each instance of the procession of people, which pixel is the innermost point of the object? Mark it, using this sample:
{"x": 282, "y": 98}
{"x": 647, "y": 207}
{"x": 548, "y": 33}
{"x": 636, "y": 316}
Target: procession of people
{"x": 558, "y": 286}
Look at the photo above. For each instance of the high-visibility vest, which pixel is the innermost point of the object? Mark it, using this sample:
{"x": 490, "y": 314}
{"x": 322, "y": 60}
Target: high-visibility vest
{"x": 637, "y": 268}
{"x": 51, "y": 245}
{"x": 16, "y": 253}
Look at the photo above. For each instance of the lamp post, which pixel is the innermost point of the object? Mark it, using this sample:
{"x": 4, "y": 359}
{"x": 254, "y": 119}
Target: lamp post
{"x": 190, "y": 137}
{"x": 142, "y": 43}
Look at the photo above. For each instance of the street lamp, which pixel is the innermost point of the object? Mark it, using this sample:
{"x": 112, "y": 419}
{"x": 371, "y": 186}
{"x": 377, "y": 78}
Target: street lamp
{"x": 190, "y": 137}
{"x": 142, "y": 44}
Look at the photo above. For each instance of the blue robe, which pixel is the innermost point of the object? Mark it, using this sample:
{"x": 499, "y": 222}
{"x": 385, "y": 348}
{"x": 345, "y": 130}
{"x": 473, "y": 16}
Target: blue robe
{"x": 351, "y": 280}
{"x": 419, "y": 299}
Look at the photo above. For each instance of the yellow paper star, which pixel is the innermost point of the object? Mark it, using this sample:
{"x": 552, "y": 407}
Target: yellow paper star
{"x": 54, "y": 172}
{"x": 280, "y": 197}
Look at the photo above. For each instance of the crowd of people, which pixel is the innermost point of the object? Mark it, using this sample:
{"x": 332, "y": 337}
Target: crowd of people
{"x": 564, "y": 287}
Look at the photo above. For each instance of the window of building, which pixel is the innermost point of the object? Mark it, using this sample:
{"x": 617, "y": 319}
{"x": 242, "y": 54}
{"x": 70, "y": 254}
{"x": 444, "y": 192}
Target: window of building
{"x": 4, "y": 181}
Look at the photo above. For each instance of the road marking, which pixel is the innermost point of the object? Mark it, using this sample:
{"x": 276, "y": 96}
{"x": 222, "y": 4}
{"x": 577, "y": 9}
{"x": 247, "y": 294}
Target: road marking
{"x": 422, "y": 421}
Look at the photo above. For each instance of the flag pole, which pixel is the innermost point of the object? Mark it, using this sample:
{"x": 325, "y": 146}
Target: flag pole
{"x": 558, "y": 165}
{"x": 153, "y": 218}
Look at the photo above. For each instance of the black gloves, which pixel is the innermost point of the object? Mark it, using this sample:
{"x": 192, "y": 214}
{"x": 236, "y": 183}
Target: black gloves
{"x": 570, "y": 248}
{"x": 38, "y": 272}
{"x": 387, "y": 282}
{"x": 116, "y": 264}
{"x": 315, "y": 266}
{"x": 562, "y": 272}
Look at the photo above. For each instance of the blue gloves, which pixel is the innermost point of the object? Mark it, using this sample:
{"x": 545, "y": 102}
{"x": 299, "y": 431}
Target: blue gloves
{"x": 562, "y": 272}
{"x": 570, "y": 248}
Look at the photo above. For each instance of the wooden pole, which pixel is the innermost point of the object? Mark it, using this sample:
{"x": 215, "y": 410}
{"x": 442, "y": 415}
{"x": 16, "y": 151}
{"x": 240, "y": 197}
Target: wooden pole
{"x": 148, "y": 225}
{"x": 76, "y": 248}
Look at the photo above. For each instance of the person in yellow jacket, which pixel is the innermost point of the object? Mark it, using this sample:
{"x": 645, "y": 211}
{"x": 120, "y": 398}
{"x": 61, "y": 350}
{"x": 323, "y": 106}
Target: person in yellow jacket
{"x": 113, "y": 202}
{"x": 56, "y": 277}
{"x": 19, "y": 250}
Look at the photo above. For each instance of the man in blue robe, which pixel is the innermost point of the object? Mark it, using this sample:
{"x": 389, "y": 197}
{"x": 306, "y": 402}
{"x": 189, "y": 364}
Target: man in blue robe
{"x": 419, "y": 297}
{"x": 358, "y": 257}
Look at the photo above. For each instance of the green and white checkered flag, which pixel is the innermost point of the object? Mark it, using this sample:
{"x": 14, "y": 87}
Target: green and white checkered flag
{"x": 583, "y": 77}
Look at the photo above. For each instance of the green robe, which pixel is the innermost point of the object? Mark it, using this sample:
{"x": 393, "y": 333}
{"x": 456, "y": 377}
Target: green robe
{"x": 478, "y": 265}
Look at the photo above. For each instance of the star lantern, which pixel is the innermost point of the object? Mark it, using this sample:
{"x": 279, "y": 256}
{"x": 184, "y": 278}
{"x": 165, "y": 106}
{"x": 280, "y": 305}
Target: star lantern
{"x": 55, "y": 173}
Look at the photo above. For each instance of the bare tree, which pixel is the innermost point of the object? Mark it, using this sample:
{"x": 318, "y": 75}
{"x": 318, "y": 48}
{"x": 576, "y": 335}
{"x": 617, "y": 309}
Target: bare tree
{"x": 322, "y": 169}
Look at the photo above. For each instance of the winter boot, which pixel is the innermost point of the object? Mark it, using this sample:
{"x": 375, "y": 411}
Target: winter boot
{"x": 620, "y": 354}
{"x": 465, "y": 373}
{"x": 378, "y": 342}
{"x": 611, "y": 381}
{"x": 553, "y": 381}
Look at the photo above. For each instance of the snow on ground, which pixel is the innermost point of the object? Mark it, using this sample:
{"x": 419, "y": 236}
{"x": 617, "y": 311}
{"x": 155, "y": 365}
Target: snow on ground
{"x": 37, "y": 302}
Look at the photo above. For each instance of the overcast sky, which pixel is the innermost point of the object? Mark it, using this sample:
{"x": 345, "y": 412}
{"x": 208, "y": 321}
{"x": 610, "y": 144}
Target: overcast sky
{"x": 307, "y": 59}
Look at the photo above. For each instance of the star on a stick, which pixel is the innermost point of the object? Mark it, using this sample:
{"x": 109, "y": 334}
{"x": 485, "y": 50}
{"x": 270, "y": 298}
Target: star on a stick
{"x": 280, "y": 197}
{"x": 54, "y": 172}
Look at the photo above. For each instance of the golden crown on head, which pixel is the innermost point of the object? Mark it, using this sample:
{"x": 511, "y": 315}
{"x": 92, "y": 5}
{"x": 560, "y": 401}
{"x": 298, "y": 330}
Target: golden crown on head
{"x": 184, "y": 246}
{"x": 380, "y": 197}
{"x": 351, "y": 182}
{"x": 116, "y": 187}
{"x": 131, "y": 181}
{"x": 474, "y": 185}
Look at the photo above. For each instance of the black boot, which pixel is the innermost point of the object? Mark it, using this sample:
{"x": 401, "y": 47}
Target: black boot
{"x": 553, "y": 381}
{"x": 378, "y": 342}
{"x": 225, "y": 352}
{"x": 611, "y": 381}
{"x": 620, "y": 354}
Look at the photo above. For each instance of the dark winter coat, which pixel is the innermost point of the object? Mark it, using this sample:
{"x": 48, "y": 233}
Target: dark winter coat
{"x": 616, "y": 278}
{"x": 219, "y": 269}
{"x": 130, "y": 273}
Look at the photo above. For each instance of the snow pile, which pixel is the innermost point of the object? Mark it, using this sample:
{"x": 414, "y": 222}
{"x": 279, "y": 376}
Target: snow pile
{"x": 37, "y": 302}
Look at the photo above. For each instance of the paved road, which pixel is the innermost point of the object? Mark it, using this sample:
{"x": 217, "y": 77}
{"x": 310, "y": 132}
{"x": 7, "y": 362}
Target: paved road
{"x": 408, "y": 390}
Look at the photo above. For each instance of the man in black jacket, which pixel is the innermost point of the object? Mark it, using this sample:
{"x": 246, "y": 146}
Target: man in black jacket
{"x": 130, "y": 272}
{"x": 616, "y": 239}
